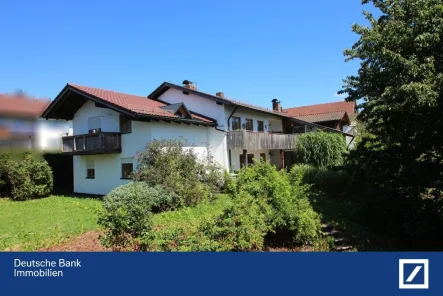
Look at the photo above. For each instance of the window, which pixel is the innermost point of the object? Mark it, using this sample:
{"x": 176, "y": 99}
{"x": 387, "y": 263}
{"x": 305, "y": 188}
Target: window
{"x": 127, "y": 168}
{"x": 249, "y": 125}
{"x": 250, "y": 159}
{"x": 260, "y": 126}
{"x": 299, "y": 129}
{"x": 95, "y": 124}
{"x": 242, "y": 161}
{"x": 125, "y": 124}
{"x": 90, "y": 170}
{"x": 236, "y": 123}
{"x": 263, "y": 156}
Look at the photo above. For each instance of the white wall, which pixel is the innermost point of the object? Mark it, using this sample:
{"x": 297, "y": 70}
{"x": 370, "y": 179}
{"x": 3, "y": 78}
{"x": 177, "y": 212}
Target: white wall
{"x": 243, "y": 113}
{"x": 108, "y": 167}
{"x": 107, "y": 174}
{"x": 110, "y": 120}
{"x": 197, "y": 104}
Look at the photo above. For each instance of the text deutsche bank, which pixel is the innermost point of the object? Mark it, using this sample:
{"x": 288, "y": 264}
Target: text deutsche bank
{"x": 43, "y": 268}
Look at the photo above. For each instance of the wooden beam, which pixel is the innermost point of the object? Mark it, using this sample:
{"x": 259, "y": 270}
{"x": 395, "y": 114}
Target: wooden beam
{"x": 282, "y": 158}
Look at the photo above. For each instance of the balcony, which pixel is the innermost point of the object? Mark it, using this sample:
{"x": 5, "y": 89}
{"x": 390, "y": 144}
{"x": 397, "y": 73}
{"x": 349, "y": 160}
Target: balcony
{"x": 260, "y": 141}
{"x": 99, "y": 143}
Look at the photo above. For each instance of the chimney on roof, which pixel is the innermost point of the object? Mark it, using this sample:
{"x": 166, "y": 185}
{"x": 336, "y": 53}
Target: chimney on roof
{"x": 189, "y": 84}
{"x": 220, "y": 95}
{"x": 276, "y": 105}
{"x": 19, "y": 93}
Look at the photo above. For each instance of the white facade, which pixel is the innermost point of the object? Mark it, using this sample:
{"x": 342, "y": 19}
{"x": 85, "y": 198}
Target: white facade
{"x": 108, "y": 169}
{"x": 222, "y": 113}
{"x": 108, "y": 172}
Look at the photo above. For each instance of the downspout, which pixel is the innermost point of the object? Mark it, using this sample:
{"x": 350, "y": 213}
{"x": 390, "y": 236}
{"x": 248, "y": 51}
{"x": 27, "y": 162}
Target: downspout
{"x": 233, "y": 111}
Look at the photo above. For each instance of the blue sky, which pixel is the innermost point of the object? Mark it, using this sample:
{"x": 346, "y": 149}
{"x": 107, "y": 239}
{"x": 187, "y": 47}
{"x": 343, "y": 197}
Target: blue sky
{"x": 253, "y": 51}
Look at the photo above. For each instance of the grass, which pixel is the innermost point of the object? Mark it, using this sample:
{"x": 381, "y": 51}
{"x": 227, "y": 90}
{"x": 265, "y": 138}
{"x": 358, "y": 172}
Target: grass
{"x": 40, "y": 223}
{"x": 190, "y": 217}
{"x": 34, "y": 224}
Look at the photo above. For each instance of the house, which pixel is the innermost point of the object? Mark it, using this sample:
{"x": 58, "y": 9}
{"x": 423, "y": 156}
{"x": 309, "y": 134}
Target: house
{"x": 338, "y": 115}
{"x": 22, "y": 127}
{"x": 109, "y": 128}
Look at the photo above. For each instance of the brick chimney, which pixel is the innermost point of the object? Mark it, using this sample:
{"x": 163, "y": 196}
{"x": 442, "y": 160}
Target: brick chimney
{"x": 189, "y": 84}
{"x": 220, "y": 95}
{"x": 276, "y": 105}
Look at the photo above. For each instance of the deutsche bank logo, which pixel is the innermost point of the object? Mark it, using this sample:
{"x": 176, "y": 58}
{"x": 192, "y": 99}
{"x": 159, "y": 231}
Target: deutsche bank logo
{"x": 413, "y": 273}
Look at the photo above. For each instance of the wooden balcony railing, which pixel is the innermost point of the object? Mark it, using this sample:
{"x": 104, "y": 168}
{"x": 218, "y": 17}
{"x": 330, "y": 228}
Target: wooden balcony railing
{"x": 100, "y": 143}
{"x": 258, "y": 141}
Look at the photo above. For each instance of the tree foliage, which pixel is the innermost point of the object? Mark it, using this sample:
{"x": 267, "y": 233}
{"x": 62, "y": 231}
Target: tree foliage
{"x": 400, "y": 81}
{"x": 400, "y": 87}
{"x": 320, "y": 149}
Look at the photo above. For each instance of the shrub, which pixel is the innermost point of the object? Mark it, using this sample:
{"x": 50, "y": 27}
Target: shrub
{"x": 320, "y": 149}
{"x": 6, "y": 167}
{"x": 330, "y": 181}
{"x": 126, "y": 215}
{"x": 291, "y": 211}
{"x": 241, "y": 227}
{"x": 169, "y": 164}
{"x": 26, "y": 179}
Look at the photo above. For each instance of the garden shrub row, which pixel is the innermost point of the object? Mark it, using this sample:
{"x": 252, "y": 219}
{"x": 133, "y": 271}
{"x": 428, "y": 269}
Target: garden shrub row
{"x": 263, "y": 201}
{"x": 25, "y": 179}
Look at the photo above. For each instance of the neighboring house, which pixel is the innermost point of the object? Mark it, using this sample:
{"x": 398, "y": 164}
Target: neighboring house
{"x": 338, "y": 115}
{"x": 21, "y": 127}
{"x": 109, "y": 128}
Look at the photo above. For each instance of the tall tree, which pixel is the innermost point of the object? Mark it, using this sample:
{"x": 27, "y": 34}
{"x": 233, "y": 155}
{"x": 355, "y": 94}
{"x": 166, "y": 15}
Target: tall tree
{"x": 400, "y": 82}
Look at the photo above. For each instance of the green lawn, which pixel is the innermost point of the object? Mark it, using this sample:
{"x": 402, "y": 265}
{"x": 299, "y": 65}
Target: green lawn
{"x": 34, "y": 224}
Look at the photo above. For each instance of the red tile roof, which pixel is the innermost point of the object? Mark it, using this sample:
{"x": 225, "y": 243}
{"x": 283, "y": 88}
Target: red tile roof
{"x": 22, "y": 106}
{"x": 322, "y": 117}
{"x": 137, "y": 104}
{"x": 349, "y": 107}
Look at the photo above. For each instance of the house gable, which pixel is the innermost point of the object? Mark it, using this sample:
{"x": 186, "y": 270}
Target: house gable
{"x": 73, "y": 97}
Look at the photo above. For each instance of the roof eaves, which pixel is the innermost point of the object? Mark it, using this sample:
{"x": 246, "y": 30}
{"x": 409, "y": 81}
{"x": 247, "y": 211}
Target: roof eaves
{"x": 177, "y": 119}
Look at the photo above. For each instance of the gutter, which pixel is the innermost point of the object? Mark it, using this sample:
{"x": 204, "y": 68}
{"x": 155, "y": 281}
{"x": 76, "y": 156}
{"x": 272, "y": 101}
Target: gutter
{"x": 233, "y": 111}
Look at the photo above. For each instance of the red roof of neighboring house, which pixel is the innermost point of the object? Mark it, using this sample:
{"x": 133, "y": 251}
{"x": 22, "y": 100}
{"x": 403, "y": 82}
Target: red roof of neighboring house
{"x": 136, "y": 104}
{"x": 349, "y": 107}
{"x": 22, "y": 106}
{"x": 322, "y": 117}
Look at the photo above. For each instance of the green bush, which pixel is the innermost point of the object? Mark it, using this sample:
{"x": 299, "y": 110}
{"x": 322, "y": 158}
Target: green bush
{"x": 126, "y": 215}
{"x": 330, "y": 181}
{"x": 320, "y": 149}
{"x": 241, "y": 227}
{"x": 180, "y": 171}
{"x": 291, "y": 211}
{"x": 6, "y": 168}
{"x": 26, "y": 179}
